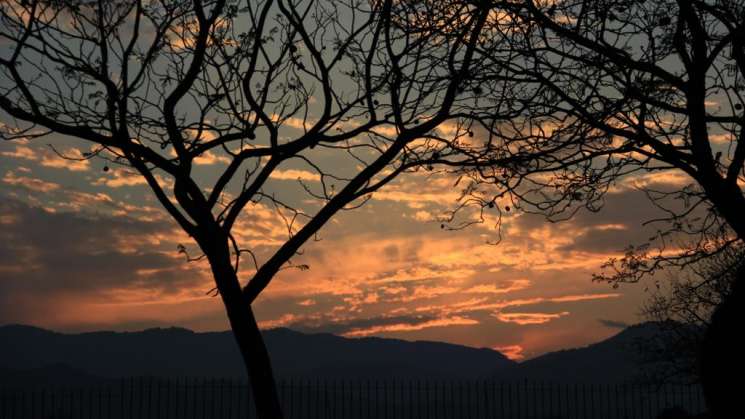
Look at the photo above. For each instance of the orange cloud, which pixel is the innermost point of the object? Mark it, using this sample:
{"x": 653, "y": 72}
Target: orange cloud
{"x": 528, "y": 318}
{"x": 260, "y": 225}
{"x": 124, "y": 177}
{"x": 423, "y": 272}
{"x": 77, "y": 201}
{"x": 483, "y": 304}
{"x": 513, "y": 352}
{"x": 408, "y": 327}
{"x": 184, "y": 35}
{"x": 21, "y": 152}
{"x": 298, "y": 123}
{"x": 516, "y": 285}
{"x": 721, "y": 138}
{"x": 583, "y": 297}
{"x": 293, "y": 174}
{"x": 74, "y": 163}
{"x": 673, "y": 178}
{"x": 283, "y": 320}
{"x": 423, "y": 216}
{"x": 210, "y": 158}
{"x": 391, "y": 194}
{"x": 426, "y": 292}
{"x": 29, "y": 183}
{"x": 73, "y": 158}
{"x": 119, "y": 178}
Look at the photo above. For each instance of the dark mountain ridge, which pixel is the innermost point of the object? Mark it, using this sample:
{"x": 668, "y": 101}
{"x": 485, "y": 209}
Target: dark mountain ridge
{"x": 175, "y": 352}
{"x": 622, "y": 358}
{"x": 34, "y": 353}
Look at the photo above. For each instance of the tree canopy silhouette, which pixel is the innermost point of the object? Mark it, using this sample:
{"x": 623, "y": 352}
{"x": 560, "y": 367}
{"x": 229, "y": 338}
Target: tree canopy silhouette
{"x": 623, "y": 88}
{"x": 682, "y": 305}
{"x": 157, "y": 85}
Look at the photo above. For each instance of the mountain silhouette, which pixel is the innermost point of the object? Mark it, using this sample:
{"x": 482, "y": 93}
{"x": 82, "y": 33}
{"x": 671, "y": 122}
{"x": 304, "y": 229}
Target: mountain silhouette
{"x": 618, "y": 359}
{"x": 31, "y": 353}
{"x": 176, "y": 352}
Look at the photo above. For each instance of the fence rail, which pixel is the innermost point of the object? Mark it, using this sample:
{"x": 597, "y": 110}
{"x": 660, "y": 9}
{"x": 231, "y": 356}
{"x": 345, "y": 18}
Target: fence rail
{"x": 151, "y": 398}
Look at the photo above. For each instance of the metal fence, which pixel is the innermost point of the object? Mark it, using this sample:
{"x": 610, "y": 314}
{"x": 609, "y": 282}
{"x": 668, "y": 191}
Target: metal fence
{"x": 146, "y": 398}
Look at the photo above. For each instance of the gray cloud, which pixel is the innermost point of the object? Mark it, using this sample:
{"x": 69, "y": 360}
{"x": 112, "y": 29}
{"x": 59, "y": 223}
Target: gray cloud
{"x": 45, "y": 254}
{"x": 618, "y": 224}
{"x": 613, "y": 324}
{"x": 604, "y": 241}
{"x": 391, "y": 252}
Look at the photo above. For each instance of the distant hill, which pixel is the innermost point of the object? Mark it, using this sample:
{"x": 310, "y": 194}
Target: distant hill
{"x": 617, "y": 359}
{"x": 176, "y": 352}
{"x": 327, "y": 355}
{"x": 31, "y": 354}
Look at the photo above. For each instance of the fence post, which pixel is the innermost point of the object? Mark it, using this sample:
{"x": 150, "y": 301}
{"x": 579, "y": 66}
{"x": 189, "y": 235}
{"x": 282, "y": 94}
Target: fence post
{"x": 377, "y": 398}
{"x": 43, "y": 406}
{"x": 241, "y": 398}
{"x": 692, "y": 410}
{"x": 369, "y": 399}
{"x": 12, "y": 404}
{"x": 430, "y": 398}
{"x": 343, "y": 398}
{"x": 441, "y": 385}
{"x": 307, "y": 396}
{"x": 360, "y": 406}
{"x": 326, "y": 398}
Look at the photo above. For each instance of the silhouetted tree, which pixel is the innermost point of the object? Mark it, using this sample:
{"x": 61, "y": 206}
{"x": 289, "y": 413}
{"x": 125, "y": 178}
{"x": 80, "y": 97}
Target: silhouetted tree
{"x": 157, "y": 85}
{"x": 682, "y": 304}
{"x": 628, "y": 87}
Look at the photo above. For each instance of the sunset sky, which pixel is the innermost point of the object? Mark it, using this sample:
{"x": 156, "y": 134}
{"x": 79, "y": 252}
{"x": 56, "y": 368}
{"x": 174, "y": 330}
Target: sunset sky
{"x": 85, "y": 249}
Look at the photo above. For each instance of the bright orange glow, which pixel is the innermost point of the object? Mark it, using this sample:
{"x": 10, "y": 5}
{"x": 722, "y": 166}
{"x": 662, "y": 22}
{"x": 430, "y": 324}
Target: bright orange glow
{"x": 405, "y": 327}
{"x": 513, "y": 352}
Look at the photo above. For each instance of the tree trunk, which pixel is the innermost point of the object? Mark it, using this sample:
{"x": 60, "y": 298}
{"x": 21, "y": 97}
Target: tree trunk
{"x": 722, "y": 359}
{"x": 257, "y": 361}
{"x": 248, "y": 336}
